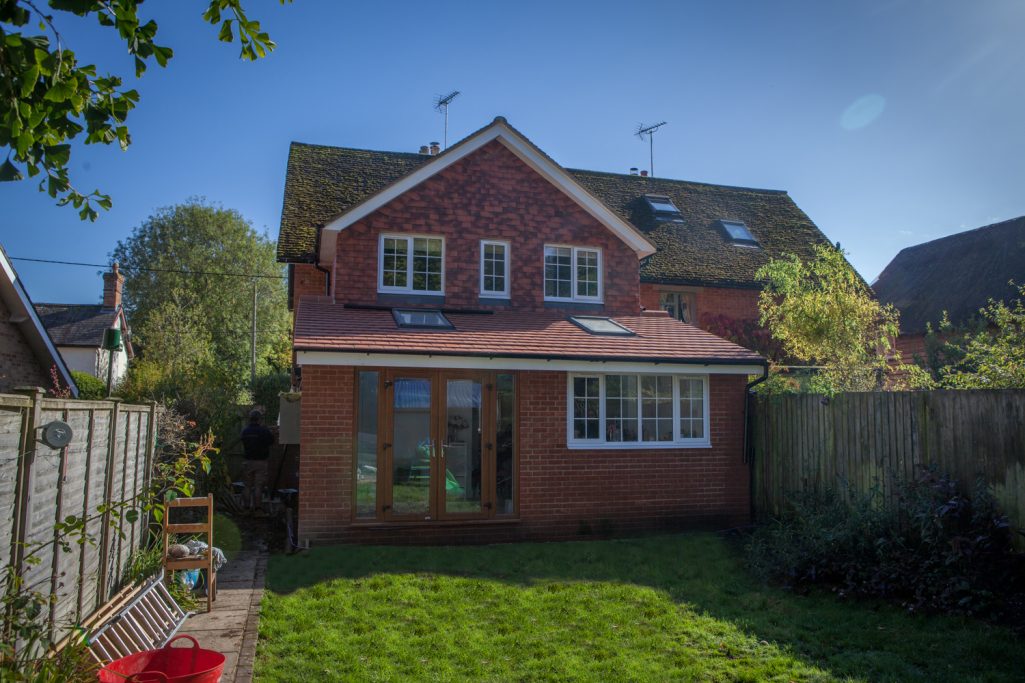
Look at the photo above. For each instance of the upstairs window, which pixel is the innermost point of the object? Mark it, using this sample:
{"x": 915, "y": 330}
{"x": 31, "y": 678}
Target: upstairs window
{"x": 494, "y": 269}
{"x": 573, "y": 274}
{"x": 679, "y": 305}
{"x": 663, "y": 208}
{"x": 738, "y": 233}
{"x": 411, "y": 265}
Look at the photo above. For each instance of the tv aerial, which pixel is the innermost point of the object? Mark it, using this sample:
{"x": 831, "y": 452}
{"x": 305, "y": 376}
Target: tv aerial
{"x": 649, "y": 132}
{"x": 441, "y": 105}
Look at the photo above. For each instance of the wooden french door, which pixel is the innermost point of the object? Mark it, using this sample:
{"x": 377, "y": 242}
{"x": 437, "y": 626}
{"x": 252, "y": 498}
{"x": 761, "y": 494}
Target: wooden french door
{"x": 438, "y": 444}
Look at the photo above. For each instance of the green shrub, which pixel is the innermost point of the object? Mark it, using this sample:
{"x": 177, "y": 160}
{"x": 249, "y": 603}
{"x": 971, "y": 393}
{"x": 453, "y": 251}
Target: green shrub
{"x": 929, "y": 548}
{"x": 89, "y": 387}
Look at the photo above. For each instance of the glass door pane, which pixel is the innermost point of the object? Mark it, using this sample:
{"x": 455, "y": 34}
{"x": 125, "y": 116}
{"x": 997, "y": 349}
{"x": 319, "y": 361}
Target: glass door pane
{"x": 462, "y": 446}
{"x": 412, "y": 447}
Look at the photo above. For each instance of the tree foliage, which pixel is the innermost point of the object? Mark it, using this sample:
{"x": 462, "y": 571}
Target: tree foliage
{"x": 993, "y": 355}
{"x": 191, "y": 308}
{"x": 48, "y": 99}
{"x": 89, "y": 387}
{"x": 823, "y": 314}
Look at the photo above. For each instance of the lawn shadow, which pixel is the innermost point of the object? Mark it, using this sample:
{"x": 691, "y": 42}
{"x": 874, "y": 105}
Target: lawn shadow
{"x": 704, "y": 573}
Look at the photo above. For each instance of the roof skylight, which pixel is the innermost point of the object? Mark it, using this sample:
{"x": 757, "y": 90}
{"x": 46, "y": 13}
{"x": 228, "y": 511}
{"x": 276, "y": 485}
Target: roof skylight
{"x": 663, "y": 208}
{"x": 598, "y": 325}
{"x": 419, "y": 318}
{"x": 738, "y": 233}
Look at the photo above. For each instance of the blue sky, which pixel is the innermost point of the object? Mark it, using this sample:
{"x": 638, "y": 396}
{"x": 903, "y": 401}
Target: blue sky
{"x": 890, "y": 123}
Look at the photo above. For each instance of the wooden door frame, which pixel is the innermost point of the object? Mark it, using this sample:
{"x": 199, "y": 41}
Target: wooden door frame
{"x": 387, "y": 454}
{"x": 487, "y": 449}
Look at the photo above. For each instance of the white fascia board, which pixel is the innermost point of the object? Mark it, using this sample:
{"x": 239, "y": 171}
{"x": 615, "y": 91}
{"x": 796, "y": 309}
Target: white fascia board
{"x": 526, "y": 152}
{"x": 403, "y": 360}
{"x": 40, "y": 341}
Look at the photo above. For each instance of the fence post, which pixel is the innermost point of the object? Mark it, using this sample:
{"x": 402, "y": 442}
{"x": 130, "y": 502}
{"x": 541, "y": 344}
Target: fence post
{"x": 25, "y": 472}
{"x": 101, "y": 590}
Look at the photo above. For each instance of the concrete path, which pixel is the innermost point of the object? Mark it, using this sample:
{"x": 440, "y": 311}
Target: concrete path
{"x": 231, "y": 627}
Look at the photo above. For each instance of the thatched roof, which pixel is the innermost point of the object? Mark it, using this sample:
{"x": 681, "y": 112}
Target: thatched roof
{"x": 958, "y": 274}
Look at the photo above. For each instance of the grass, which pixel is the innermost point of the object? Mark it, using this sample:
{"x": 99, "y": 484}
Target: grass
{"x": 664, "y": 608}
{"x": 227, "y": 536}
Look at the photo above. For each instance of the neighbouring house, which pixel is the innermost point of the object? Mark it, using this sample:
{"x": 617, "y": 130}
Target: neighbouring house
{"x": 28, "y": 357}
{"x": 958, "y": 274}
{"x": 78, "y": 329}
{"x": 483, "y": 352}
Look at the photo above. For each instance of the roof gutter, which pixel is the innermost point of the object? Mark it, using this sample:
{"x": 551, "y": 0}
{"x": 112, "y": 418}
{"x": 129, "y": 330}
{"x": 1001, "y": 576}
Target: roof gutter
{"x": 544, "y": 356}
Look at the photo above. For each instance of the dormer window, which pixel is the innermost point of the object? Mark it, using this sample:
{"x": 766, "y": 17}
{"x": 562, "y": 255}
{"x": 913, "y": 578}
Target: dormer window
{"x": 663, "y": 208}
{"x": 738, "y": 233}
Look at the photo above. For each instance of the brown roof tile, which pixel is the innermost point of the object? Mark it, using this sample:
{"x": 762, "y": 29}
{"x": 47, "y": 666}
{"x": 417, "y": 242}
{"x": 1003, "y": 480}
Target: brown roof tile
{"x": 324, "y": 326}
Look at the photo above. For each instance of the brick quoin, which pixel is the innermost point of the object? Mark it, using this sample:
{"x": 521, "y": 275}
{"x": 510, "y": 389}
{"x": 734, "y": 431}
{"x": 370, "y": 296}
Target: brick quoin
{"x": 490, "y": 194}
{"x": 563, "y": 494}
{"x": 18, "y": 364}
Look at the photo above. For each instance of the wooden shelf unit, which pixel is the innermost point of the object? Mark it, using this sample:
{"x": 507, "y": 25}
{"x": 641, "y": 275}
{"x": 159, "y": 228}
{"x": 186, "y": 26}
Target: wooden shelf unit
{"x": 205, "y": 561}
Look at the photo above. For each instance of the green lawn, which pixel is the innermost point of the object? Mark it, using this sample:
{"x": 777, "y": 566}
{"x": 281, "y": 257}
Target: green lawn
{"x": 663, "y": 608}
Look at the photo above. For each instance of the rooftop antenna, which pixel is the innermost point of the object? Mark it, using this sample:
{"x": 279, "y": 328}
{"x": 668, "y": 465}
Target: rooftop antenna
{"x": 649, "y": 131}
{"x": 441, "y": 104}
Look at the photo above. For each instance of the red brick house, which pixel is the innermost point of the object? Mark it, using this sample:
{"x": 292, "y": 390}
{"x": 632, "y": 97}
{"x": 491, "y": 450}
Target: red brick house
{"x": 482, "y": 352}
{"x": 28, "y": 355}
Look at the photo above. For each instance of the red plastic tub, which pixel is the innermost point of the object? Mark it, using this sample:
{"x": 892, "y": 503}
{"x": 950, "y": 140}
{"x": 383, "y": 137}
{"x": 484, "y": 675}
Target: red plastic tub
{"x": 167, "y": 665}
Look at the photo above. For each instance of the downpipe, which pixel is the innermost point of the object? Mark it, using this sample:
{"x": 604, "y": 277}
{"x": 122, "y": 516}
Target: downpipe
{"x": 748, "y": 455}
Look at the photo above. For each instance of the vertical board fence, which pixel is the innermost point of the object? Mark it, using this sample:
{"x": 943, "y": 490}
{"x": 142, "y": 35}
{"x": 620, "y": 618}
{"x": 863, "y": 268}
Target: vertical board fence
{"x": 108, "y": 460}
{"x": 809, "y": 443}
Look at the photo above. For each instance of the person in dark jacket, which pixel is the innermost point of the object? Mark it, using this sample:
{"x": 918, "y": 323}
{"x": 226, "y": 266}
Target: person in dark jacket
{"x": 256, "y": 443}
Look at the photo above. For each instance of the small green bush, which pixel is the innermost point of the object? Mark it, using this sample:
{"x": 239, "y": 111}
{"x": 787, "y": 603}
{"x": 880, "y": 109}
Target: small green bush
{"x": 89, "y": 387}
{"x": 929, "y": 548}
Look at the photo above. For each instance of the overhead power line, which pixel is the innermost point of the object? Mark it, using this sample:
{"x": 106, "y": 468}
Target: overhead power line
{"x": 150, "y": 270}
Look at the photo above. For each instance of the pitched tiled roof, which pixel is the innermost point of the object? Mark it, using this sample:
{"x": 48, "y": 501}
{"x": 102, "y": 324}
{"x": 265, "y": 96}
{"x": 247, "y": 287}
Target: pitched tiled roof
{"x": 324, "y": 326}
{"x": 76, "y": 324}
{"x": 698, "y": 250}
{"x": 322, "y": 182}
{"x": 958, "y": 274}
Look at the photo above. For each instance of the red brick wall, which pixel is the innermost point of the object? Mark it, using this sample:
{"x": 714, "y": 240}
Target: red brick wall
{"x": 911, "y": 345}
{"x": 738, "y": 304}
{"x": 561, "y": 491}
{"x": 18, "y": 365}
{"x": 490, "y": 194}
{"x": 307, "y": 281}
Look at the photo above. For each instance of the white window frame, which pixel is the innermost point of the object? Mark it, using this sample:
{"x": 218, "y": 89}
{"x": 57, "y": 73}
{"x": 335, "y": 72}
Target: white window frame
{"x": 574, "y": 250}
{"x": 408, "y": 289}
{"x": 504, "y": 294}
{"x": 601, "y": 444}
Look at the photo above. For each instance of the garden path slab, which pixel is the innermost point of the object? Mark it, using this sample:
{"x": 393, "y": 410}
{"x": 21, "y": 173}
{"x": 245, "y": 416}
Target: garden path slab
{"x": 231, "y": 627}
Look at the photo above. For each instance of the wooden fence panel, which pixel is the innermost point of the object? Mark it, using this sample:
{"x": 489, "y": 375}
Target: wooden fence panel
{"x": 863, "y": 441}
{"x": 107, "y": 460}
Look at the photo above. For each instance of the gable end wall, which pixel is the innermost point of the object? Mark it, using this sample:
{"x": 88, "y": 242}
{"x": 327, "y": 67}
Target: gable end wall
{"x": 490, "y": 194}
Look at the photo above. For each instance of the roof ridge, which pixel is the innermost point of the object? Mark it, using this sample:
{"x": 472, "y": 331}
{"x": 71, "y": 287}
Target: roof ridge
{"x": 297, "y": 143}
{"x": 764, "y": 190}
{"x": 962, "y": 234}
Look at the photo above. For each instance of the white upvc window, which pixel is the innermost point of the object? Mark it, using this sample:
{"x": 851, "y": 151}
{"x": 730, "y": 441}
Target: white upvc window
{"x": 494, "y": 269}
{"x": 640, "y": 411}
{"x": 411, "y": 264}
{"x": 573, "y": 273}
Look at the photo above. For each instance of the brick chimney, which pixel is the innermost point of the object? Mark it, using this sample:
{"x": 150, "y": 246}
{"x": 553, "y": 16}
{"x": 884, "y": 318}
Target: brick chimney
{"x": 435, "y": 148}
{"x": 113, "y": 282}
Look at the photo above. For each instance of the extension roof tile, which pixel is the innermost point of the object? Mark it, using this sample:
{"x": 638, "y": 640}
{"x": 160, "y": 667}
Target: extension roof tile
{"x": 321, "y": 325}
{"x": 958, "y": 274}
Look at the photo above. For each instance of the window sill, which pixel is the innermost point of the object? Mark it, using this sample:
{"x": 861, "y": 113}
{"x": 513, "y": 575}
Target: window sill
{"x": 637, "y": 446}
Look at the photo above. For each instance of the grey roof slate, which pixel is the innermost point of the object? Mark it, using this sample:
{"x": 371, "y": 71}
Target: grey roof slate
{"x": 76, "y": 324}
{"x": 958, "y": 274}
